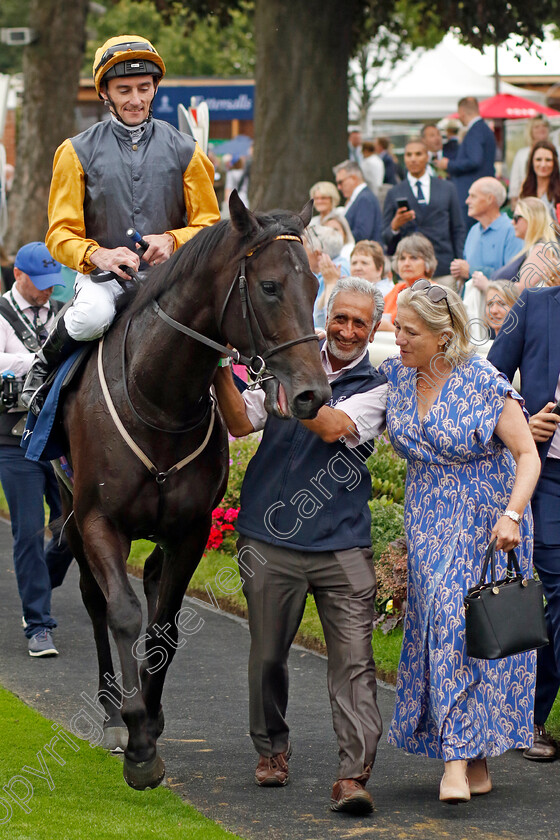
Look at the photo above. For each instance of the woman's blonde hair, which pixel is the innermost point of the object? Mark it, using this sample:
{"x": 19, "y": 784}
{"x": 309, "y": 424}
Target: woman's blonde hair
{"x": 327, "y": 188}
{"x": 436, "y": 317}
{"x": 539, "y": 224}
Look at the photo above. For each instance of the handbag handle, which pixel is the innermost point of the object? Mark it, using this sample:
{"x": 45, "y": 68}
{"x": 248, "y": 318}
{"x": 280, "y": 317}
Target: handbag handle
{"x": 490, "y": 559}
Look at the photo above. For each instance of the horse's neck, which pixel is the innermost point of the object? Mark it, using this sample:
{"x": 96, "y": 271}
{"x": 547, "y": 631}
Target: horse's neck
{"x": 168, "y": 368}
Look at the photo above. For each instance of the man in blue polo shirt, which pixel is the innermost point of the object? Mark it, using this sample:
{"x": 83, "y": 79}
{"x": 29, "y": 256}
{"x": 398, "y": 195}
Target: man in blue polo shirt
{"x": 491, "y": 243}
{"x": 305, "y": 525}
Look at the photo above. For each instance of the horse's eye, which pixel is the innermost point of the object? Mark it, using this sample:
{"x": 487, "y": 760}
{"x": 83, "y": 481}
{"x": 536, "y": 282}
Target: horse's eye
{"x": 269, "y": 288}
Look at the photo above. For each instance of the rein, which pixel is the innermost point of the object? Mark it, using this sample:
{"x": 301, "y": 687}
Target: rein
{"x": 160, "y": 476}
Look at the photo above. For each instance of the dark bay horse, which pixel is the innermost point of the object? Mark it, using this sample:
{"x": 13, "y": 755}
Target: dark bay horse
{"x": 158, "y": 381}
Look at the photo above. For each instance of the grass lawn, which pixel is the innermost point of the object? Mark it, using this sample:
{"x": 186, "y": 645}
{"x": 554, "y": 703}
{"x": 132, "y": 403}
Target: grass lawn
{"x": 87, "y": 797}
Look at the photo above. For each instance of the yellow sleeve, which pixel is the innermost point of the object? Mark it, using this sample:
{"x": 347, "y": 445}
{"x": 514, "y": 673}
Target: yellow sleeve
{"x": 200, "y": 198}
{"x": 66, "y": 236}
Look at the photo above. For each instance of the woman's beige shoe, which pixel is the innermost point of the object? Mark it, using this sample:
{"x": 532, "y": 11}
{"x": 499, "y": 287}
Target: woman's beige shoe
{"x": 479, "y": 777}
{"x": 454, "y": 785}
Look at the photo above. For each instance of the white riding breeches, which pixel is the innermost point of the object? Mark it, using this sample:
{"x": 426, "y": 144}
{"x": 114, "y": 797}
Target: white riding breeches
{"x": 93, "y": 308}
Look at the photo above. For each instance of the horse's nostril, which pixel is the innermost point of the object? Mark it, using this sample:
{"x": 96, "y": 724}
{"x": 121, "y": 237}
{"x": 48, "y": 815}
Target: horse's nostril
{"x": 306, "y": 397}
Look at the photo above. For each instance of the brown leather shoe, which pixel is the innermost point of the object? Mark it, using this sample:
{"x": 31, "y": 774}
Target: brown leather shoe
{"x": 350, "y": 796}
{"x": 544, "y": 746}
{"x": 272, "y": 771}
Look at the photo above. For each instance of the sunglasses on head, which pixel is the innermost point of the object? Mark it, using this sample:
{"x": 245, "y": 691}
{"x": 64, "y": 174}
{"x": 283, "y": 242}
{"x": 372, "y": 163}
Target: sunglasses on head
{"x": 435, "y": 294}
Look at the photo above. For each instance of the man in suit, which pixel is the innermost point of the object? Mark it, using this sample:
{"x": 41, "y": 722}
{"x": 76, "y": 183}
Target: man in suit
{"x": 433, "y": 209}
{"x": 475, "y": 156}
{"x": 528, "y": 341}
{"x": 362, "y": 209}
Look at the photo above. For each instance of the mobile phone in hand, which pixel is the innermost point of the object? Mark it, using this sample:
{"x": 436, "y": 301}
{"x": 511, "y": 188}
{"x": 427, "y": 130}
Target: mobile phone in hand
{"x": 556, "y": 409}
{"x": 402, "y": 204}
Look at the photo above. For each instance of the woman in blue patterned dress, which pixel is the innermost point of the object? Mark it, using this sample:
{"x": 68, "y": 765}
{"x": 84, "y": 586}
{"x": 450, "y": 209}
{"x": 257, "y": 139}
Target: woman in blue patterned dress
{"x": 472, "y": 467}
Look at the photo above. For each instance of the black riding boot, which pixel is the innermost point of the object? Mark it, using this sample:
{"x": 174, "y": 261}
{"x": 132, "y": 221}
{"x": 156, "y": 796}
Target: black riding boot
{"x": 58, "y": 346}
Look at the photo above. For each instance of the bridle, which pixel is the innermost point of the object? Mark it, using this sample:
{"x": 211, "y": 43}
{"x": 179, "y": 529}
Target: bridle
{"x": 256, "y": 363}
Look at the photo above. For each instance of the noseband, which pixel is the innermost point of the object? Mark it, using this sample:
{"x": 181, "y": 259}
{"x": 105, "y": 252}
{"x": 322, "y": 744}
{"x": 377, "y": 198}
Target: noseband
{"x": 256, "y": 363}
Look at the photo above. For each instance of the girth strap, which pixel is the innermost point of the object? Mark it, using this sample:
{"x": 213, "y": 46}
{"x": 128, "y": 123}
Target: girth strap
{"x": 160, "y": 477}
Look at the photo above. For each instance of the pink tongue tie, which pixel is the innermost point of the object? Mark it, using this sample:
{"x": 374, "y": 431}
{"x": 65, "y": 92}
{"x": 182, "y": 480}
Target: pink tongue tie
{"x": 283, "y": 401}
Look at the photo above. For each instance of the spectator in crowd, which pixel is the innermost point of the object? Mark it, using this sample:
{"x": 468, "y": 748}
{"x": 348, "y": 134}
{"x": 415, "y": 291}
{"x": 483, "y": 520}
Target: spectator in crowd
{"x": 472, "y": 466}
{"x": 535, "y": 264}
{"x": 528, "y": 342}
{"x": 414, "y": 259}
{"x": 326, "y": 199}
{"x": 431, "y": 136}
{"x": 475, "y": 156}
{"x": 236, "y": 179}
{"x": 432, "y": 208}
{"x": 538, "y": 129}
{"x": 337, "y": 222}
{"x": 25, "y": 317}
{"x": 451, "y": 145}
{"x": 367, "y": 260}
{"x": 328, "y": 554}
{"x": 355, "y": 144}
{"x": 362, "y": 209}
{"x": 500, "y": 297}
{"x": 382, "y": 147}
{"x": 543, "y": 177}
{"x": 491, "y": 243}
{"x": 323, "y": 245}
{"x": 373, "y": 168}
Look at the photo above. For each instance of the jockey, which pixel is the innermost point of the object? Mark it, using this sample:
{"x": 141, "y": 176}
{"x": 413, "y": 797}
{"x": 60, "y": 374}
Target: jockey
{"x": 130, "y": 171}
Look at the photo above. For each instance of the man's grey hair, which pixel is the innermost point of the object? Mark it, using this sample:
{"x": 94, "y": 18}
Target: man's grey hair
{"x": 361, "y": 287}
{"x": 325, "y": 239}
{"x": 491, "y": 186}
{"x": 350, "y": 167}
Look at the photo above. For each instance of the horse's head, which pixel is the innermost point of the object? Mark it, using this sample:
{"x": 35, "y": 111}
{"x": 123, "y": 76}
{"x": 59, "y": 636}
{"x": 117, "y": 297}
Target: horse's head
{"x": 276, "y": 321}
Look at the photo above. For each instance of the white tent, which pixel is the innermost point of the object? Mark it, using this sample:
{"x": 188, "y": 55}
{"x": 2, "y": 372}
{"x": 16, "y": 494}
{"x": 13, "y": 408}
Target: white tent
{"x": 428, "y": 85}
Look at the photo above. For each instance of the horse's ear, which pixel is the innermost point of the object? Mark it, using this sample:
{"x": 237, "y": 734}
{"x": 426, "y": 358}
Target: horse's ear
{"x": 306, "y": 213}
{"x": 241, "y": 218}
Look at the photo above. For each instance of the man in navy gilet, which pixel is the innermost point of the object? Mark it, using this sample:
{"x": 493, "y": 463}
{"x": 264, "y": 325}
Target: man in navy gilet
{"x": 305, "y": 524}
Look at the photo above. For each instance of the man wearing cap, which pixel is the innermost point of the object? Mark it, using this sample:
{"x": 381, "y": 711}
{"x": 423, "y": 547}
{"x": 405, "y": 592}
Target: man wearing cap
{"x": 130, "y": 171}
{"x": 26, "y": 313}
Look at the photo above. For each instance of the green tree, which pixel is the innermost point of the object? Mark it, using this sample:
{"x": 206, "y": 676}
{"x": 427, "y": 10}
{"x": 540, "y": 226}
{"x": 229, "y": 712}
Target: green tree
{"x": 303, "y": 51}
{"x": 13, "y": 13}
{"x": 189, "y": 45}
{"x": 51, "y": 67}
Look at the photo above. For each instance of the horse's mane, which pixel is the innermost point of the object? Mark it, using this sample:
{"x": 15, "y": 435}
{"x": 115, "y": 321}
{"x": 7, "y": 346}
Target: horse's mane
{"x": 221, "y": 236}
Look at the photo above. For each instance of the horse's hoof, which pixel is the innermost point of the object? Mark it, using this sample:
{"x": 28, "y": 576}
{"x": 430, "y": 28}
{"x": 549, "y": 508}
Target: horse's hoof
{"x": 115, "y": 739}
{"x": 144, "y": 774}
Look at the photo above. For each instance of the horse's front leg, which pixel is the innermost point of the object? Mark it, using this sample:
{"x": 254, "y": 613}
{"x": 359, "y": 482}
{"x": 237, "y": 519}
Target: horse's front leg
{"x": 106, "y": 551}
{"x": 163, "y": 632}
{"x": 109, "y": 695}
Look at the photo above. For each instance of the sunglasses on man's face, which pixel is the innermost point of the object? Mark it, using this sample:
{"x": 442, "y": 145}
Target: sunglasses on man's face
{"x": 435, "y": 293}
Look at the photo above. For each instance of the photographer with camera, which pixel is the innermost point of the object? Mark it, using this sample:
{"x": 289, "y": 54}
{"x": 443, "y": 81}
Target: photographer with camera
{"x": 26, "y": 314}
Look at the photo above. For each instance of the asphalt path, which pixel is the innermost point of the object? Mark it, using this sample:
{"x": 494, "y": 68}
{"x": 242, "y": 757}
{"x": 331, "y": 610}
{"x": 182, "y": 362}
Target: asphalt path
{"x": 209, "y": 757}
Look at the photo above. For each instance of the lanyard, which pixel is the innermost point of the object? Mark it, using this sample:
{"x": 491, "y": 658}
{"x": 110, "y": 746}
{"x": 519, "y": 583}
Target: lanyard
{"x": 38, "y": 328}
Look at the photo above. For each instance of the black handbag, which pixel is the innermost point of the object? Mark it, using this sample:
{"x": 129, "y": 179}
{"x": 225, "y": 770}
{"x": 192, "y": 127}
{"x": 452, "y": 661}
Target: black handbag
{"x": 504, "y": 617}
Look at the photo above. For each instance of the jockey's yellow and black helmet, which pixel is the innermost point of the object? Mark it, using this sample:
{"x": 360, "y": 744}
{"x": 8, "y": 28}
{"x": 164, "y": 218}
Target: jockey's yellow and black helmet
{"x": 126, "y": 55}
